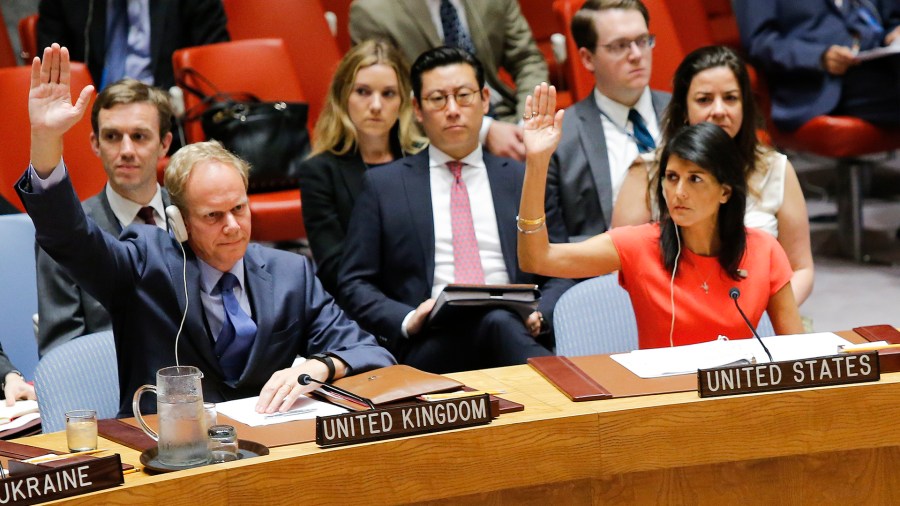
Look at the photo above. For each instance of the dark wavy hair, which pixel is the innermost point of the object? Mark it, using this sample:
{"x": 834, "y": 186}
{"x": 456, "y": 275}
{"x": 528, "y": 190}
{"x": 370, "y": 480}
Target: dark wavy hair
{"x": 676, "y": 115}
{"x": 710, "y": 148}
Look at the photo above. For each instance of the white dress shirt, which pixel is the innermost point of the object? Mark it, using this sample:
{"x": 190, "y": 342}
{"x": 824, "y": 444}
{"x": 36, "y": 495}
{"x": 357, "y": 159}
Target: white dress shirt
{"x": 126, "y": 210}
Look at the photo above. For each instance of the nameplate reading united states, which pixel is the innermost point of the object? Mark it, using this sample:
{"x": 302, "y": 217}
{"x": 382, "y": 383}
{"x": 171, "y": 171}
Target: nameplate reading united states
{"x": 406, "y": 420}
{"x": 790, "y": 374}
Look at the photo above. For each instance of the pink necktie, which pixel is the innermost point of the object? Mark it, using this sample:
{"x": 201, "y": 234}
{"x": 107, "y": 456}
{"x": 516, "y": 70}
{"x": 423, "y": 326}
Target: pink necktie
{"x": 466, "y": 259}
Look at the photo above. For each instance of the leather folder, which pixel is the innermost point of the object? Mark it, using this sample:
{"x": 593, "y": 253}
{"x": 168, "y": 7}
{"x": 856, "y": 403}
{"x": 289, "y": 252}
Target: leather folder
{"x": 888, "y": 360}
{"x": 457, "y": 298}
{"x": 388, "y": 385}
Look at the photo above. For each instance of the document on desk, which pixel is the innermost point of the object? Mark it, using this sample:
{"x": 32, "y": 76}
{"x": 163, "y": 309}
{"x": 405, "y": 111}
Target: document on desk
{"x": 659, "y": 362}
{"x": 304, "y": 408}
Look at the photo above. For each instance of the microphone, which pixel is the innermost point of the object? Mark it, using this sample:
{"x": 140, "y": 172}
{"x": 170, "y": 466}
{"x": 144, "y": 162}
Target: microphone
{"x": 306, "y": 379}
{"x": 734, "y": 293}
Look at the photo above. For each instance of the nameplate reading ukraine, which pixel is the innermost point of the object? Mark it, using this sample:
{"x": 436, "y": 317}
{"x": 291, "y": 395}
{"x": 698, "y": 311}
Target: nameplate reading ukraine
{"x": 790, "y": 374}
{"x": 32, "y": 484}
{"x": 399, "y": 421}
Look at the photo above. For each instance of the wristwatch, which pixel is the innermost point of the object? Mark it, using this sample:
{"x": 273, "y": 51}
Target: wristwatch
{"x": 329, "y": 363}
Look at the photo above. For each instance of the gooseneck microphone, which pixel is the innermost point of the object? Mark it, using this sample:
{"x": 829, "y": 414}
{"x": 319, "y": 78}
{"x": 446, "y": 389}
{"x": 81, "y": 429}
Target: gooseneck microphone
{"x": 306, "y": 379}
{"x": 734, "y": 293}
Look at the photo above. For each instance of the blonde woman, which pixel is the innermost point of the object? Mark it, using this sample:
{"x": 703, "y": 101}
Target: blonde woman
{"x": 367, "y": 122}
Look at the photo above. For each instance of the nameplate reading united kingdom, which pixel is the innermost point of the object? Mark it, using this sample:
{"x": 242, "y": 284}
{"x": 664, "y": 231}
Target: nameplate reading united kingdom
{"x": 805, "y": 373}
{"x": 399, "y": 421}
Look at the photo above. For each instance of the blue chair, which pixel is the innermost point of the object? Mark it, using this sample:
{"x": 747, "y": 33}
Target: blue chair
{"x": 764, "y": 328}
{"x": 595, "y": 317}
{"x": 80, "y": 374}
{"x": 18, "y": 298}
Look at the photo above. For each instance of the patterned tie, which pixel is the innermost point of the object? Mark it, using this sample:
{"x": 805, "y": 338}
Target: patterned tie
{"x": 466, "y": 258}
{"x": 146, "y": 214}
{"x": 645, "y": 142}
{"x": 116, "y": 43}
{"x": 454, "y": 33}
{"x": 238, "y": 331}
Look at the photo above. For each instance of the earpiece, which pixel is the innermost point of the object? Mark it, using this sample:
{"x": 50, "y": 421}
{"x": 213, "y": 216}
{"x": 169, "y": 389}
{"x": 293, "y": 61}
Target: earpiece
{"x": 176, "y": 223}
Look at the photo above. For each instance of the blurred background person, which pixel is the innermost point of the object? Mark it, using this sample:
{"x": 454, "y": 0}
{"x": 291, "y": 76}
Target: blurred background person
{"x": 712, "y": 85}
{"x": 367, "y": 122}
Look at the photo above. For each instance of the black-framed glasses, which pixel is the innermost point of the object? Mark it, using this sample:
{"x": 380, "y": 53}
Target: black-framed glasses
{"x": 622, "y": 46}
{"x": 438, "y": 101}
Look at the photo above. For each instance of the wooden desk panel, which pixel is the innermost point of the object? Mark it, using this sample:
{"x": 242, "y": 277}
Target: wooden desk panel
{"x": 831, "y": 445}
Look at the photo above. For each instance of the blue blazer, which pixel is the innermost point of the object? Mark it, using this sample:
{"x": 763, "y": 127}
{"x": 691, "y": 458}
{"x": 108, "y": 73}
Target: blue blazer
{"x": 787, "y": 38}
{"x": 388, "y": 264}
{"x": 138, "y": 278}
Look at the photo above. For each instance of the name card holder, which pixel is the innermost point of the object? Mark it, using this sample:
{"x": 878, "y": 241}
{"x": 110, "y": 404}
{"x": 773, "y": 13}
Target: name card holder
{"x": 34, "y": 483}
{"x": 399, "y": 421}
{"x": 790, "y": 374}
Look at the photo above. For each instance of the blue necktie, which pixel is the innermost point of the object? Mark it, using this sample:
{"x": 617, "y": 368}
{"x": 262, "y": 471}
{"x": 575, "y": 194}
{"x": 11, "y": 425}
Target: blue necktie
{"x": 238, "y": 331}
{"x": 454, "y": 33}
{"x": 116, "y": 43}
{"x": 645, "y": 142}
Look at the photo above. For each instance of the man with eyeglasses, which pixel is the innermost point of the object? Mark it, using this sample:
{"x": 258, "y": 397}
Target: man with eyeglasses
{"x": 445, "y": 215}
{"x": 605, "y": 132}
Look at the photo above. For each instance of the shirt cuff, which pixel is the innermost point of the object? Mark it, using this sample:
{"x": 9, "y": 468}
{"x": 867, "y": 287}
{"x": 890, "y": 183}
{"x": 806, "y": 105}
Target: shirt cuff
{"x": 39, "y": 185}
{"x": 486, "y": 123}
{"x": 405, "y": 323}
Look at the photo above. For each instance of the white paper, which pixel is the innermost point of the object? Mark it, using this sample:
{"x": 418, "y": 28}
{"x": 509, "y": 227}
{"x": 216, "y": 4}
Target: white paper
{"x": 878, "y": 52}
{"x": 304, "y": 408}
{"x": 20, "y": 421}
{"x": 16, "y": 410}
{"x": 659, "y": 362}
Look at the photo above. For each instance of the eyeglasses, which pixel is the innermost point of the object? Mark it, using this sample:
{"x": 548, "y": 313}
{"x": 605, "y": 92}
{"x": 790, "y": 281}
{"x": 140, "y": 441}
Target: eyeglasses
{"x": 438, "y": 101}
{"x": 621, "y": 46}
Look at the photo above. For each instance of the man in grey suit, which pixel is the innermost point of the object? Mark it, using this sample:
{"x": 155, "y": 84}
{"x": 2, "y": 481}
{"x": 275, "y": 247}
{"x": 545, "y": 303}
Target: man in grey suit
{"x": 132, "y": 124}
{"x": 605, "y": 132}
{"x": 494, "y": 31}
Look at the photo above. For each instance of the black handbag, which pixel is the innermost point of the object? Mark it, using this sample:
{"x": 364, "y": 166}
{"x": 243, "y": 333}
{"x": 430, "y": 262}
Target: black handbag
{"x": 271, "y": 136}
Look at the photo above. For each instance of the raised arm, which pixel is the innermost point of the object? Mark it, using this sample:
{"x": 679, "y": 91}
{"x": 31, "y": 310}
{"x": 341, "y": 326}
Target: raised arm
{"x": 50, "y": 107}
{"x": 589, "y": 258}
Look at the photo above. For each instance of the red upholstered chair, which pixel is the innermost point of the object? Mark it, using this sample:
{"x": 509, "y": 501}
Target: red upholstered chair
{"x": 28, "y": 37}
{"x": 86, "y": 170}
{"x": 7, "y": 53}
{"x": 276, "y": 216}
{"x": 341, "y": 11}
{"x": 667, "y": 54}
{"x": 543, "y": 23}
{"x": 310, "y": 44}
{"x": 847, "y": 140}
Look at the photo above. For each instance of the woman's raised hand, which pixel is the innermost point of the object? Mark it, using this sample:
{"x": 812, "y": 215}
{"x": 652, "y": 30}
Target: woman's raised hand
{"x": 543, "y": 123}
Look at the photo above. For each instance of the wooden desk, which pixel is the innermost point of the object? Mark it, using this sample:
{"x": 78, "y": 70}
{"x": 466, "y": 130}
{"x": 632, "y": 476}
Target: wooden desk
{"x": 832, "y": 445}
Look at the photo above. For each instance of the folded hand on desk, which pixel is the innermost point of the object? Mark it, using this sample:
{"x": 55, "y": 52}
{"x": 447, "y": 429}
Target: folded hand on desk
{"x": 282, "y": 389}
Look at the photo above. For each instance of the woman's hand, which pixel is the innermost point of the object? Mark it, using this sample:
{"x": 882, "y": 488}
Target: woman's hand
{"x": 543, "y": 123}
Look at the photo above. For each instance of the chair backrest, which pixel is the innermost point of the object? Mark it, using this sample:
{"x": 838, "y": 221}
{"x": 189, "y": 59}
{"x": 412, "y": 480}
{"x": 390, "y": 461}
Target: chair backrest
{"x": 667, "y": 54}
{"x": 595, "y": 317}
{"x": 7, "y": 53}
{"x": 80, "y": 374}
{"x": 28, "y": 37}
{"x": 262, "y": 72}
{"x": 86, "y": 171}
{"x": 764, "y": 328}
{"x": 341, "y": 11}
{"x": 301, "y": 23}
{"x": 19, "y": 295}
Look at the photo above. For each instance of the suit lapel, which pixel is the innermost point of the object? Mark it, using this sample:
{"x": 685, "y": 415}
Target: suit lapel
{"x": 262, "y": 299}
{"x": 418, "y": 12}
{"x": 195, "y": 334}
{"x": 505, "y": 195}
{"x": 479, "y": 34}
{"x": 590, "y": 128}
{"x": 106, "y": 218}
{"x": 351, "y": 170}
{"x": 416, "y": 182}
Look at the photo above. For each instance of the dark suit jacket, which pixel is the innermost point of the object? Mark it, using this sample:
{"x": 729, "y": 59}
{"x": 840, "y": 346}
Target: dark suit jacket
{"x": 388, "y": 264}
{"x": 174, "y": 24}
{"x": 500, "y": 34}
{"x": 138, "y": 279}
{"x": 787, "y": 38}
{"x": 65, "y": 311}
{"x": 329, "y": 185}
{"x": 578, "y": 180}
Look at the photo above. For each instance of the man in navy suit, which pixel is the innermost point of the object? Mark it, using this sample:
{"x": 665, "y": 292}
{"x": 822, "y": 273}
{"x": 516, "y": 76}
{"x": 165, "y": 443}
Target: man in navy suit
{"x": 807, "y": 49}
{"x": 248, "y": 310}
{"x": 411, "y": 233}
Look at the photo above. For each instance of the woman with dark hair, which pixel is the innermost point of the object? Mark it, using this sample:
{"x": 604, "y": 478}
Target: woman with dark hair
{"x": 678, "y": 271}
{"x": 367, "y": 122}
{"x": 712, "y": 85}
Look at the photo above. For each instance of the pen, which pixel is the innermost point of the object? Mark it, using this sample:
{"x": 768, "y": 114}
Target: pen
{"x": 291, "y": 412}
{"x": 457, "y": 395}
{"x": 51, "y": 458}
{"x": 129, "y": 471}
{"x": 863, "y": 349}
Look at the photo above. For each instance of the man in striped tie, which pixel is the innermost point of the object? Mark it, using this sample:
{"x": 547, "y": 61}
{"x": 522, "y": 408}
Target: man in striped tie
{"x": 446, "y": 215}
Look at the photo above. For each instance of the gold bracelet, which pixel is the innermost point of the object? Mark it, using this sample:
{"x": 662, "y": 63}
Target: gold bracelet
{"x": 529, "y": 223}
